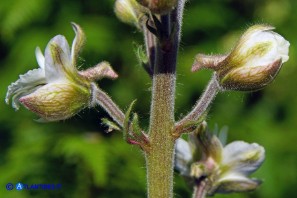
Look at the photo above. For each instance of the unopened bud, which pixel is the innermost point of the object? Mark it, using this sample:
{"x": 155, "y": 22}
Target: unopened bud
{"x": 253, "y": 63}
{"x": 255, "y": 60}
{"x": 129, "y": 11}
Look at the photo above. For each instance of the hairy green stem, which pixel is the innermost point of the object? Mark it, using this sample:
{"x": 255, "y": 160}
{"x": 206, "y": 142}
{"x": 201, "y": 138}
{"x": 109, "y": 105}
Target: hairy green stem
{"x": 203, "y": 103}
{"x": 101, "y": 98}
{"x": 159, "y": 159}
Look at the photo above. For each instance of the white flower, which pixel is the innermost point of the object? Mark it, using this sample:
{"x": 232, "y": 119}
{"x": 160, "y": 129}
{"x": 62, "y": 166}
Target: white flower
{"x": 226, "y": 168}
{"x": 57, "y": 90}
{"x": 238, "y": 160}
{"x": 242, "y": 157}
{"x": 253, "y": 63}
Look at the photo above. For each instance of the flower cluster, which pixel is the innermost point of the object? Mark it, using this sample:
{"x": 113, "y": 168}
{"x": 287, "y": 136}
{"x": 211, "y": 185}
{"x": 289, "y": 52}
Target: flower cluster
{"x": 224, "y": 169}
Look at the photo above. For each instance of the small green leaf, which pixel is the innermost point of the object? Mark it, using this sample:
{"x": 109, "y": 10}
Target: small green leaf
{"x": 140, "y": 53}
{"x": 127, "y": 120}
{"x": 135, "y": 125}
{"x": 111, "y": 125}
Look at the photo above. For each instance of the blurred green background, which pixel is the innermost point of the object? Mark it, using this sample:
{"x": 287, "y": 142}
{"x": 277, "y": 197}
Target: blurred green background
{"x": 88, "y": 162}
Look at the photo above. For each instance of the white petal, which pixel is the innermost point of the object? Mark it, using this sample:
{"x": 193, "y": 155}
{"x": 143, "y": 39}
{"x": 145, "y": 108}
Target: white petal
{"x": 232, "y": 176}
{"x": 223, "y": 134}
{"x": 77, "y": 43}
{"x": 58, "y": 63}
{"x": 183, "y": 155}
{"x": 25, "y": 85}
{"x": 39, "y": 57}
{"x": 242, "y": 157}
{"x": 278, "y": 48}
{"x": 235, "y": 183}
{"x": 283, "y": 47}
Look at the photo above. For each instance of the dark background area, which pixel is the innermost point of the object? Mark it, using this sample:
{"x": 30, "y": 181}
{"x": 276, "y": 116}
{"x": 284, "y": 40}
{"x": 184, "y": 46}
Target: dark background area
{"x": 88, "y": 162}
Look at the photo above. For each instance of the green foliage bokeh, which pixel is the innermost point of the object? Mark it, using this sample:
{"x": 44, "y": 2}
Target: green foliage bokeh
{"x": 87, "y": 161}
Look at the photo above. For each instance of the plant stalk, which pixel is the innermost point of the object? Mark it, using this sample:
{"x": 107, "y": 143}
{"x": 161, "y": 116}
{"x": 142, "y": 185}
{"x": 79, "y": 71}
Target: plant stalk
{"x": 109, "y": 106}
{"x": 159, "y": 159}
{"x": 203, "y": 103}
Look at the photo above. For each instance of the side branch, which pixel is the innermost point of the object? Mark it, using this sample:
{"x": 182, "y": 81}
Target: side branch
{"x": 101, "y": 98}
{"x": 202, "y": 104}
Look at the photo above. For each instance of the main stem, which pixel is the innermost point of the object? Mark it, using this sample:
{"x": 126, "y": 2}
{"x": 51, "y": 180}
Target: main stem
{"x": 159, "y": 159}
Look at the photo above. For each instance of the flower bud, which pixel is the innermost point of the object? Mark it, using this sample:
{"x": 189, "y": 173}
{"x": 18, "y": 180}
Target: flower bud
{"x": 159, "y": 6}
{"x": 252, "y": 64}
{"x": 255, "y": 60}
{"x": 129, "y": 11}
